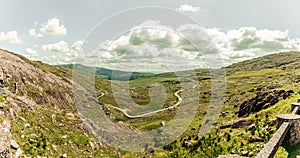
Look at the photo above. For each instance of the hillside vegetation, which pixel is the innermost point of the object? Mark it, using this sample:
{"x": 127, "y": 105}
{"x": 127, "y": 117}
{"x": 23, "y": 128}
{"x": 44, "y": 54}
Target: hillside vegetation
{"x": 45, "y": 121}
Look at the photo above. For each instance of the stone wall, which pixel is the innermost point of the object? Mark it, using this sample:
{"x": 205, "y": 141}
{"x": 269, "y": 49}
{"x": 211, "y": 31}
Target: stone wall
{"x": 274, "y": 143}
{"x": 293, "y": 135}
{"x": 288, "y": 132}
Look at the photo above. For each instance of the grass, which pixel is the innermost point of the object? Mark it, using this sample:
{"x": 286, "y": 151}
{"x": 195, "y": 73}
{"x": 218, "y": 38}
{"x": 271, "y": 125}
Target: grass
{"x": 291, "y": 151}
{"x": 215, "y": 142}
{"x": 46, "y": 138}
{"x": 242, "y": 78}
{"x": 3, "y": 98}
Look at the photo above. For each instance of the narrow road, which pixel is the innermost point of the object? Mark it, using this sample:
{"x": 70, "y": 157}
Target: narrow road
{"x": 148, "y": 113}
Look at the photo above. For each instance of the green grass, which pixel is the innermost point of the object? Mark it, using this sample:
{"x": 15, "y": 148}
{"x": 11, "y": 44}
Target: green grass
{"x": 3, "y": 98}
{"x": 45, "y": 137}
{"x": 278, "y": 71}
{"x": 291, "y": 151}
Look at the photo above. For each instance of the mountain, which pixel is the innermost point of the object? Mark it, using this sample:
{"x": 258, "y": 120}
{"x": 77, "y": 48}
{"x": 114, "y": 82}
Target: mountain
{"x": 107, "y": 73}
{"x": 39, "y": 116}
{"x": 286, "y": 60}
{"x": 38, "y": 112}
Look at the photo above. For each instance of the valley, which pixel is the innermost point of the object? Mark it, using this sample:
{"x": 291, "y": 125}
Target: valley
{"x": 38, "y": 102}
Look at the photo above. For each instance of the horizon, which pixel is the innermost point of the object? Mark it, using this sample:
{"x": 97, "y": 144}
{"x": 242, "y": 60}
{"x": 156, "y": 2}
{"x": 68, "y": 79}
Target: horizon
{"x": 217, "y": 36}
{"x": 153, "y": 72}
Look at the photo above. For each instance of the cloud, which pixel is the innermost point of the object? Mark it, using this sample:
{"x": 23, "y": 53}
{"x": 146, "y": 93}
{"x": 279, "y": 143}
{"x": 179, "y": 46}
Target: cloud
{"x": 151, "y": 43}
{"x": 33, "y": 33}
{"x": 151, "y": 34}
{"x": 188, "y": 8}
{"x": 49, "y": 59}
{"x": 75, "y": 48}
{"x": 10, "y": 37}
{"x": 53, "y": 27}
{"x": 247, "y": 42}
{"x": 188, "y": 46}
{"x": 61, "y": 46}
{"x": 236, "y": 55}
{"x": 67, "y": 53}
{"x": 195, "y": 38}
{"x": 30, "y": 52}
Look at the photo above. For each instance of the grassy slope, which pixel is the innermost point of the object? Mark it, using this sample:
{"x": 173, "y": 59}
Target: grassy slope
{"x": 280, "y": 71}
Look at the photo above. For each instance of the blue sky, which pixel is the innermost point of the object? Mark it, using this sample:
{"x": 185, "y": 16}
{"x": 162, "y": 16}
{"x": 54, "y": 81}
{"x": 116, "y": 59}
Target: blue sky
{"x": 55, "y": 31}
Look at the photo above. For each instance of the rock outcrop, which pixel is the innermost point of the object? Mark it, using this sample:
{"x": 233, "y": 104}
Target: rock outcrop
{"x": 5, "y": 139}
{"x": 31, "y": 80}
{"x": 7, "y": 144}
{"x": 262, "y": 100}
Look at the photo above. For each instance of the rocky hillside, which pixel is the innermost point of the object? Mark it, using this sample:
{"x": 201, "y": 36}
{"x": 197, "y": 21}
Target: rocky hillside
{"x": 284, "y": 61}
{"x": 29, "y": 84}
{"x": 38, "y": 112}
{"x": 256, "y": 91}
{"x": 24, "y": 87}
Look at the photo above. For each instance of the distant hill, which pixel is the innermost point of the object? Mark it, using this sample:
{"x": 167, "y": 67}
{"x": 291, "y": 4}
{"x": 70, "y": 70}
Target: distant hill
{"x": 285, "y": 60}
{"x": 107, "y": 73}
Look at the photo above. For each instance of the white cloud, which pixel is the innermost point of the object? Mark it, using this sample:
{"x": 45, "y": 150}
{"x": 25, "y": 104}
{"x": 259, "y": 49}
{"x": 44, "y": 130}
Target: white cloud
{"x": 53, "y": 27}
{"x": 33, "y": 33}
{"x": 236, "y": 55}
{"x": 67, "y": 55}
{"x": 49, "y": 59}
{"x": 188, "y": 8}
{"x": 195, "y": 38}
{"x": 74, "y": 50}
{"x": 77, "y": 46}
{"x": 67, "y": 52}
{"x": 10, "y": 37}
{"x": 151, "y": 44}
{"x": 61, "y": 46}
{"x": 251, "y": 39}
{"x": 30, "y": 52}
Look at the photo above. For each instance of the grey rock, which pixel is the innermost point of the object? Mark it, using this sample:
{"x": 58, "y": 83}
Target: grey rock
{"x": 250, "y": 154}
{"x": 251, "y": 127}
{"x": 14, "y": 144}
{"x": 245, "y": 153}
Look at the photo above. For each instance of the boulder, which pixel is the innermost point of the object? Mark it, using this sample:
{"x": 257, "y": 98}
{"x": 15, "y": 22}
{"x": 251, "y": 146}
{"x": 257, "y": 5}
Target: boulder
{"x": 245, "y": 153}
{"x": 19, "y": 152}
{"x": 14, "y": 145}
{"x": 262, "y": 100}
{"x": 251, "y": 127}
{"x": 241, "y": 124}
{"x": 252, "y": 139}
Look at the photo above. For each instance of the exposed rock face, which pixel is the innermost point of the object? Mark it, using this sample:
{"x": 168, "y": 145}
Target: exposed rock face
{"x": 262, "y": 100}
{"x": 27, "y": 81}
{"x": 5, "y": 138}
{"x": 28, "y": 84}
{"x": 7, "y": 144}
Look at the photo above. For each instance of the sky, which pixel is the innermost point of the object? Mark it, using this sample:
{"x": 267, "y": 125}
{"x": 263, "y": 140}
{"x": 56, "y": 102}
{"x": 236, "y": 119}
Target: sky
{"x": 149, "y": 35}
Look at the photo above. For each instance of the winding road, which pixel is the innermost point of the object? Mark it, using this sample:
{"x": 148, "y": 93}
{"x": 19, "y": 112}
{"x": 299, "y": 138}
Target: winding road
{"x": 148, "y": 113}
